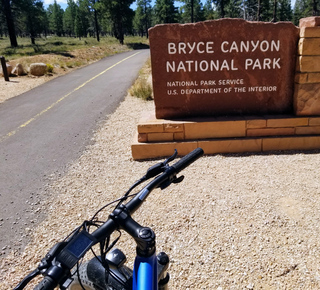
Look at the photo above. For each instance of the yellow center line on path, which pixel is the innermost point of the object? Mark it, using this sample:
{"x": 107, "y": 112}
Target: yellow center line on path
{"x": 13, "y": 132}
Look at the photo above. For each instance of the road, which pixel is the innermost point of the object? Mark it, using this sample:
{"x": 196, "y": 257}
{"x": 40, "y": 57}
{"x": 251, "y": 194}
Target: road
{"x": 46, "y": 129}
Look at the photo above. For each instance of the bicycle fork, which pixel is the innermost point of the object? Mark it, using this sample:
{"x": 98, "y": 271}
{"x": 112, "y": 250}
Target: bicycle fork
{"x": 150, "y": 271}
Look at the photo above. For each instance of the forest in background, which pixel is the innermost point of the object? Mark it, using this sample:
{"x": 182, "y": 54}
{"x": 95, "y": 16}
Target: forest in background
{"x": 97, "y": 18}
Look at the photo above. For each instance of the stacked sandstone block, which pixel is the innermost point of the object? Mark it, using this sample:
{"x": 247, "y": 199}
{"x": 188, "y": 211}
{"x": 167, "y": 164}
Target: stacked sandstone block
{"x": 159, "y": 137}
{"x": 307, "y": 87}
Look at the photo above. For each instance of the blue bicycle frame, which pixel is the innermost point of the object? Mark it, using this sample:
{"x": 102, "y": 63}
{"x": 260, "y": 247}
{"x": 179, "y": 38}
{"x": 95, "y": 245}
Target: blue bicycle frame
{"x": 145, "y": 274}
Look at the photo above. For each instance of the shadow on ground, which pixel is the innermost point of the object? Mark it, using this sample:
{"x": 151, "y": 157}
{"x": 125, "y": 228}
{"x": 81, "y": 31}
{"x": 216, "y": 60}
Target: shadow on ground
{"x": 138, "y": 45}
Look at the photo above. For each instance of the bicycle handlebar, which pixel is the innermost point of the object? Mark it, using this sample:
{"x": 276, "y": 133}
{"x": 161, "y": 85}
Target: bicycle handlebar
{"x": 108, "y": 227}
{"x": 105, "y": 230}
{"x": 47, "y": 283}
{"x": 188, "y": 159}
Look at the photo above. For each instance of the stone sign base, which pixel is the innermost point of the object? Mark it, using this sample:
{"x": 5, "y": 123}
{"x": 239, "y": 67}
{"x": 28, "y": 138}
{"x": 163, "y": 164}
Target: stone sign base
{"x": 158, "y": 138}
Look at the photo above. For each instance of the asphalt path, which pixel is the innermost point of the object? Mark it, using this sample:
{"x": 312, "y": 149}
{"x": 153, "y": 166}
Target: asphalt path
{"x": 46, "y": 129}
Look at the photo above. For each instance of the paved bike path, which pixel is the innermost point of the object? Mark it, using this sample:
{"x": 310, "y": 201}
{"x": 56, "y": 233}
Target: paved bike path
{"x": 45, "y": 129}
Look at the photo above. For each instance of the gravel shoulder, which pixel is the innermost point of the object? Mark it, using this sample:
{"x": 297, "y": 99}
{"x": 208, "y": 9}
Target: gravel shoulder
{"x": 235, "y": 222}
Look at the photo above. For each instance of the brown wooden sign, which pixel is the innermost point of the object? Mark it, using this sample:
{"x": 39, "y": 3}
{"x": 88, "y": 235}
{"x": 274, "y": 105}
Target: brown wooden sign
{"x": 223, "y": 67}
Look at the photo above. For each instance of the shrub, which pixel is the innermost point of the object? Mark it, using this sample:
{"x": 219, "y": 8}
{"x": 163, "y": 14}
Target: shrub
{"x": 141, "y": 89}
{"x": 49, "y": 68}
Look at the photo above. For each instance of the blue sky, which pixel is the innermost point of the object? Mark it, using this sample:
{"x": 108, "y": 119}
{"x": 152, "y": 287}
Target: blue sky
{"x": 63, "y": 3}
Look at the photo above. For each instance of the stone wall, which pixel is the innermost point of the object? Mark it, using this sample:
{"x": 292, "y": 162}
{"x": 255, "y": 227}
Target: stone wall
{"x": 159, "y": 137}
{"x": 307, "y": 79}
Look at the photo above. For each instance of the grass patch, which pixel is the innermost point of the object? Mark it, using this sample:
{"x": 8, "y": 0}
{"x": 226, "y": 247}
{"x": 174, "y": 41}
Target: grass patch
{"x": 60, "y": 45}
{"x": 142, "y": 87}
{"x": 66, "y": 52}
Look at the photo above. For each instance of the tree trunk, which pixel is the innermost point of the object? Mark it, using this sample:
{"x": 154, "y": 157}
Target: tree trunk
{"x": 96, "y": 24}
{"x": 275, "y": 3}
{"x": 121, "y": 35}
{"x": 259, "y": 11}
{"x": 315, "y": 11}
{"x": 10, "y": 23}
{"x": 192, "y": 18}
{"x": 222, "y": 8}
{"x": 31, "y": 29}
{"x": 146, "y": 20}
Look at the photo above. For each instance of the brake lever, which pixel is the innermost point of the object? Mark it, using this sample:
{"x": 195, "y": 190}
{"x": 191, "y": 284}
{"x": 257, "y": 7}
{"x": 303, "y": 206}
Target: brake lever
{"x": 178, "y": 179}
{"x": 171, "y": 158}
{"x": 173, "y": 180}
{"x": 160, "y": 167}
{"x": 27, "y": 279}
{"x": 155, "y": 170}
{"x": 46, "y": 262}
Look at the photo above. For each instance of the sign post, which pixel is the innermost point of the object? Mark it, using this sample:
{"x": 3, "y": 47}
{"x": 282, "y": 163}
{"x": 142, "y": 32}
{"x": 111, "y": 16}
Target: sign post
{"x": 4, "y": 68}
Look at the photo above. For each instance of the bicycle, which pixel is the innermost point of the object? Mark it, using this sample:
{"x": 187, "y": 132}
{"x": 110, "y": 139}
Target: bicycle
{"x": 62, "y": 266}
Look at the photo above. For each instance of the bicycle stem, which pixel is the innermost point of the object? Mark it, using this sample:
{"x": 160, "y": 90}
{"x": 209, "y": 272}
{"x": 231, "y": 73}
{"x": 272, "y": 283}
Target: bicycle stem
{"x": 144, "y": 237}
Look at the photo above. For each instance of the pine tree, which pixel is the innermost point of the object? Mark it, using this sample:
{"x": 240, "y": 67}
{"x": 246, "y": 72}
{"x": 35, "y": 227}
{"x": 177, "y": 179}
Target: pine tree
{"x": 220, "y": 7}
{"x": 251, "y": 10}
{"x": 95, "y": 8}
{"x": 302, "y": 8}
{"x": 7, "y": 14}
{"x": 3, "y": 28}
{"x": 120, "y": 15}
{"x": 315, "y": 10}
{"x": 284, "y": 10}
{"x": 265, "y": 11}
{"x": 82, "y": 19}
{"x": 208, "y": 10}
{"x": 31, "y": 15}
{"x": 165, "y": 11}
{"x": 142, "y": 18}
{"x": 233, "y": 9}
{"x": 69, "y": 18}
{"x": 57, "y": 18}
{"x": 192, "y": 11}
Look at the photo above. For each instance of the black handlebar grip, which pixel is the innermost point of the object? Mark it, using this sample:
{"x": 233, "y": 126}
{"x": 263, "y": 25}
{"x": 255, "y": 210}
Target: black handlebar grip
{"x": 188, "y": 159}
{"x": 47, "y": 283}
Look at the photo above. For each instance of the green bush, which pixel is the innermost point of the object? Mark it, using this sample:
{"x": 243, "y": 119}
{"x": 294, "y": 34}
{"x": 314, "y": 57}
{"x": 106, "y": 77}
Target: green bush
{"x": 49, "y": 68}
